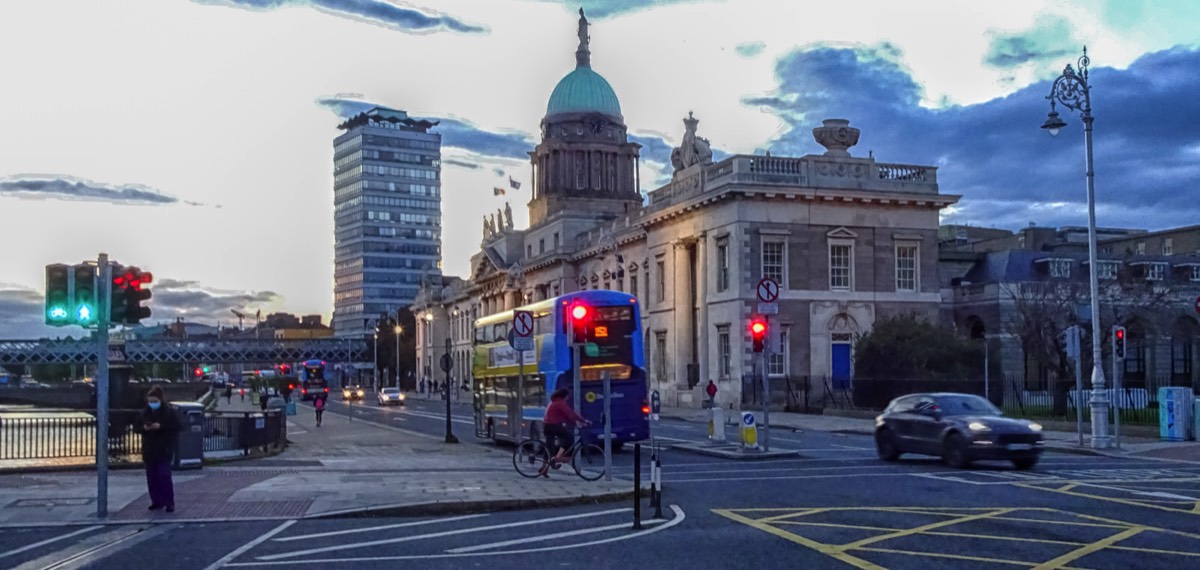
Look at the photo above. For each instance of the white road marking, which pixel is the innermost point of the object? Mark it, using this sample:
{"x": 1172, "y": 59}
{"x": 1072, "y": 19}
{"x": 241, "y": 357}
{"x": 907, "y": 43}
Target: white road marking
{"x": 543, "y": 538}
{"x": 749, "y": 470}
{"x": 852, "y": 447}
{"x": 377, "y": 528}
{"x": 29, "y": 547}
{"x": 298, "y": 553}
{"x": 788, "y": 477}
{"x": 246, "y": 547}
{"x": 679, "y": 518}
{"x": 97, "y": 552}
{"x": 1163, "y": 495}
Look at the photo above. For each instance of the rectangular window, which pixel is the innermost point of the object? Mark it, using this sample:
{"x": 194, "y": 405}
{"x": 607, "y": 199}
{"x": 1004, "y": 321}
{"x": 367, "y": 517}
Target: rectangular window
{"x": 840, "y": 258}
{"x": 660, "y": 356}
{"x": 662, "y": 280}
{"x": 773, "y": 255}
{"x": 542, "y": 246}
{"x": 1141, "y": 248}
{"x": 1156, "y": 271}
{"x": 1106, "y": 270}
{"x": 1168, "y": 247}
{"x": 1060, "y": 269}
{"x": 777, "y": 361}
{"x": 633, "y": 290}
{"x": 556, "y": 240}
{"x": 723, "y": 352}
{"x": 529, "y": 250}
{"x": 906, "y": 267}
{"x": 722, "y": 265}
{"x": 1196, "y": 273}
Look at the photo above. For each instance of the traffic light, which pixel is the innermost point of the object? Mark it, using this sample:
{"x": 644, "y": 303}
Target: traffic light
{"x": 83, "y": 300}
{"x": 1119, "y": 342}
{"x": 58, "y": 298}
{"x": 118, "y": 298}
{"x": 137, "y": 293}
{"x": 758, "y": 333}
{"x": 580, "y": 316}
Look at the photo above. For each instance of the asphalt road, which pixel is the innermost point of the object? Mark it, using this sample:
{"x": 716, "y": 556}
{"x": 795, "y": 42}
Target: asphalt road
{"x": 835, "y": 506}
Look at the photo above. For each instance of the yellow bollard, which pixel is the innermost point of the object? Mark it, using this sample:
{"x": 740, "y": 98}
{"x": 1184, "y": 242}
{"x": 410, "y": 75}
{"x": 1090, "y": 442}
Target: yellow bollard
{"x": 749, "y": 431}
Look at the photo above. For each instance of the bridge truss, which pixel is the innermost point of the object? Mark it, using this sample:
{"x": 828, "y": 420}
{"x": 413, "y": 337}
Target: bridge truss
{"x": 208, "y": 351}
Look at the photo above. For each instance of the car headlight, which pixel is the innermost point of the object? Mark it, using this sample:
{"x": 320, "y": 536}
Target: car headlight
{"x": 978, "y": 426}
{"x": 400, "y": 397}
{"x": 1034, "y": 426}
{"x": 360, "y": 392}
{"x": 383, "y": 397}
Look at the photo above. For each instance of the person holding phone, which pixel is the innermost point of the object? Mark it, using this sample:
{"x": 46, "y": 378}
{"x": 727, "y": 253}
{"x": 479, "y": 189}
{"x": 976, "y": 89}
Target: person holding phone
{"x": 160, "y": 427}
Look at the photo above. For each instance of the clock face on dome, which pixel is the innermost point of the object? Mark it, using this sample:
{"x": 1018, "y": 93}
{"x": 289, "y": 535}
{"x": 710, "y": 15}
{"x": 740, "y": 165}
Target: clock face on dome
{"x": 596, "y": 123}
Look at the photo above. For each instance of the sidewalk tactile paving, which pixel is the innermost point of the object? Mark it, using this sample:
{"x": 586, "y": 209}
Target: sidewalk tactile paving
{"x": 207, "y": 497}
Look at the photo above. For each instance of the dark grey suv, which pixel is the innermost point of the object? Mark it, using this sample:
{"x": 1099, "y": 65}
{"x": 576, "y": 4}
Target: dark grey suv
{"x": 960, "y": 428}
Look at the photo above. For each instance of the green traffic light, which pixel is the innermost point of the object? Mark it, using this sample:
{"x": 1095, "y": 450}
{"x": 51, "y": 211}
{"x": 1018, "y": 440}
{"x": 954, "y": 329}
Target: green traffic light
{"x": 58, "y": 313}
{"x": 206, "y": 370}
{"x": 85, "y": 314}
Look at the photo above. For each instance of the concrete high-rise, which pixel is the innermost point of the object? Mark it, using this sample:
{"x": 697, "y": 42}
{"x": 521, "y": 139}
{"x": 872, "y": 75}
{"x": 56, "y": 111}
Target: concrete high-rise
{"x": 387, "y": 216}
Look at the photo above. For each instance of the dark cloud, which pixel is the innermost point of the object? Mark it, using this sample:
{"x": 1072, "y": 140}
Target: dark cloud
{"x": 498, "y": 171}
{"x": 599, "y": 9}
{"x": 1146, "y": 142}
{"x": 21, "y": 308}
{"x": 460, "y": 163}
{"x": 750, "y": 49}
{"x": 70, "y": 188}
{"x": 377, "y": 12}
{"x": 345, "y": 105}
{"x": 1049, "y": 40}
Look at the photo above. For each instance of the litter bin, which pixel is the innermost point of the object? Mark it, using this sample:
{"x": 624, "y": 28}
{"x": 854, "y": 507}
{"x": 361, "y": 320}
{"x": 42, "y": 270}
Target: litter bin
{"x": 189, "y": 449}
{"x": 1174, "y": 413}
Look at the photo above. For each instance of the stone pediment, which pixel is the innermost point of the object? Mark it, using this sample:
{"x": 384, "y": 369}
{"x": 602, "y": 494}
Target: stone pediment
{"x": 841, "y": 232}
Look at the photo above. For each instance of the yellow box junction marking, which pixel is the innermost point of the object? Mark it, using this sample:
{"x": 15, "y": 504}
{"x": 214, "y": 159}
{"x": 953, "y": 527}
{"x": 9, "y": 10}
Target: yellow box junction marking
{"x": 1075, "y": 490}
{"x": 788, "y": 523}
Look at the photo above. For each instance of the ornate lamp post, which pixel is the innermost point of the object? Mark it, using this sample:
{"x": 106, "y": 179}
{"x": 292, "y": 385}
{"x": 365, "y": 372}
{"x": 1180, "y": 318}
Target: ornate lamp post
{"x": 399, "y": 329}
{"x": 1071, "y": 89}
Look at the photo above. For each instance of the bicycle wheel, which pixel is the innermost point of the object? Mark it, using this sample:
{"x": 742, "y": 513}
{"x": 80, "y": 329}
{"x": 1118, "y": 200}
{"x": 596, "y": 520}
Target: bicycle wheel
{"x": 588, "y": 461}
{"x": 530, "y": 457}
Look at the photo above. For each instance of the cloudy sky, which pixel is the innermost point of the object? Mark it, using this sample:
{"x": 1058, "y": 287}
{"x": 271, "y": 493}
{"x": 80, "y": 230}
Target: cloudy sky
{"x": 193, "y": 137}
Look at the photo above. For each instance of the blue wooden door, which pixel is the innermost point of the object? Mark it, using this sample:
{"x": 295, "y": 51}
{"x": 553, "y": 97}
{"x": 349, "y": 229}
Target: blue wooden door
{"x": 841, "y": 366}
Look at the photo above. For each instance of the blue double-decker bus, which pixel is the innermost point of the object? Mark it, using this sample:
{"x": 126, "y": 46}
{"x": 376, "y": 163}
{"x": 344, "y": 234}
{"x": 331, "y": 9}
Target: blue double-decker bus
{"x": 312, "y": 380}
{"x": 611, "y": 344}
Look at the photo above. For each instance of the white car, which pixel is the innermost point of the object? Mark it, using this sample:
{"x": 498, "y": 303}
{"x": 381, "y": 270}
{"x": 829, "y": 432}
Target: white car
{"x": 390, "y": 397}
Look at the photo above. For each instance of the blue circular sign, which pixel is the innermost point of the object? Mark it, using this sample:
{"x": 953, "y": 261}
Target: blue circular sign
{"x": 748, "y": 419}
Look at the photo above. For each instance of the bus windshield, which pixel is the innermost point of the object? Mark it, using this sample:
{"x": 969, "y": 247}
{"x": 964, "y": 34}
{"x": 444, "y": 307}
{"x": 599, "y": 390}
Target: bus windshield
{"x": 609, "y": 346}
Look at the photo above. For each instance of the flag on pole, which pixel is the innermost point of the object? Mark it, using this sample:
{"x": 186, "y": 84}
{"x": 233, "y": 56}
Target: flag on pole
{"x": 515, "y": 185}
{"x": 497, "y": 191}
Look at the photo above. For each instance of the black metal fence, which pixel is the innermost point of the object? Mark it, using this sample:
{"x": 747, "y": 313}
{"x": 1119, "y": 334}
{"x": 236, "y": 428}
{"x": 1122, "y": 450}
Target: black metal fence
{"x": 36, "y": 437}
{"x": 1137, "y": 404}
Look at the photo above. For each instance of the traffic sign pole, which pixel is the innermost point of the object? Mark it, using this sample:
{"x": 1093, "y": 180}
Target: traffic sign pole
{"x": 104, "y": 293}
{"x": 768, "y": 295}
{"x": 447, "y": 364}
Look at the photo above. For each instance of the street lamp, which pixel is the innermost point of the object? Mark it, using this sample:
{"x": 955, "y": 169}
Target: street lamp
{"x": 1071, "y": 89}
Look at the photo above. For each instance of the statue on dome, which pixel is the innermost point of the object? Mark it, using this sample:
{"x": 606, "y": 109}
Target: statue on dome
{"x": 693, "y": 150}
{"x": 583, "y": 35}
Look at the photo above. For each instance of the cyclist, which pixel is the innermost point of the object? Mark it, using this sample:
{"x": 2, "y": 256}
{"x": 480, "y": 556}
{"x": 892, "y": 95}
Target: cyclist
{"x": 557, "y": 426}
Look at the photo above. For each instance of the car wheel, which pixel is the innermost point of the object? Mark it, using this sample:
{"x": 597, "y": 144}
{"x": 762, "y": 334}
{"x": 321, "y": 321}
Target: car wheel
{"x": 1025, "y": 463}
{"x": 954, "y": 452}
{"x": 885, "y": 445}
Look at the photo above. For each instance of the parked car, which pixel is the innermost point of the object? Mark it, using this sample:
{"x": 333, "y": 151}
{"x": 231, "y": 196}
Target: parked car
{"x": 353, "y": 393}
{"x": 390, "y": 397}
{"x": 961, "y": 428}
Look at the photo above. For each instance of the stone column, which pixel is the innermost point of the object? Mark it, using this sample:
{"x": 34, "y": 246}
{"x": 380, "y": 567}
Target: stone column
{"x": 682, "y": 303}
{"x": 702, "y": 273}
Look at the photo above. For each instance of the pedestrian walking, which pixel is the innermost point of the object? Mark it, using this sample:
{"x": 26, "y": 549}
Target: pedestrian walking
{"x": 262, "y": 400}
{"x": 228, "y": 394}
{"x": 160, "y": 427}
{"x": 243, "y": 394}
{"x": 319, "y": 406}
{"x": 711, "y": 390}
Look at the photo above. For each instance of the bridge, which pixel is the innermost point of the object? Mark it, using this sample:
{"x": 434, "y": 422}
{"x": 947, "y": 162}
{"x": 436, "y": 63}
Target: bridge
{"x": 208, "y": 351}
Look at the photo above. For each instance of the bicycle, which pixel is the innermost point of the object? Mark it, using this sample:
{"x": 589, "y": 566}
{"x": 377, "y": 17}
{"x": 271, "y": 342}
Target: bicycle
{"x": 587, "y": 458}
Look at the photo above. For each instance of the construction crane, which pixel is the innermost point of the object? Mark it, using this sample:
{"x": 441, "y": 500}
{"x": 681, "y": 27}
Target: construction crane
{"x": 239, "y": 316}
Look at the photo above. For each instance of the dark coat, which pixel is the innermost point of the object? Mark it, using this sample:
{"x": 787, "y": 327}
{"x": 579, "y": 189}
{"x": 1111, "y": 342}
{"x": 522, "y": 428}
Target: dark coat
{"x": 158, "y": 445}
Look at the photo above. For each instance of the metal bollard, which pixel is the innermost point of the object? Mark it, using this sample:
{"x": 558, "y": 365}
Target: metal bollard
{"x": 658, "y": 514}
{"x": 653, "y": 478}
{"x": 637, "y": 486}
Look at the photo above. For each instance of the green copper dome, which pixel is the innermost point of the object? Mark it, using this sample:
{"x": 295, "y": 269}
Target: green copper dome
{"x": 583, "y": 91}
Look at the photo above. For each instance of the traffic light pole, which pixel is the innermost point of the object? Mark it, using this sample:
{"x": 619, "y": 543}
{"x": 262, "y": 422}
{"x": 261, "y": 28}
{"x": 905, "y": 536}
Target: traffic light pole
{"x": 766, "y": 378}
{"x": 102, "y": 310}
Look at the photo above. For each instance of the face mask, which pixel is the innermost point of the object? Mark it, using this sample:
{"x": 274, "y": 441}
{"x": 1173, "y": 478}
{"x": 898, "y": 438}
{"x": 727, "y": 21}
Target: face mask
{"x": 155, "y": 405}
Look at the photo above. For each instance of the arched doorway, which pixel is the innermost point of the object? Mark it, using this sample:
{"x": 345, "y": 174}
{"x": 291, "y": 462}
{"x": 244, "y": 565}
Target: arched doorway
{"x": 1183, "y": 352}
{"x": 842, "y": 328}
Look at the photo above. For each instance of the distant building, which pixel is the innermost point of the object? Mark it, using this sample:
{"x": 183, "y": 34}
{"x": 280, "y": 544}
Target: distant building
{"x": 387, "y": 215}
{"x": 849, "y": 240}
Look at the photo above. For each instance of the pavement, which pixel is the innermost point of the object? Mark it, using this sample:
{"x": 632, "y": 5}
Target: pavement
{"x": 1061, "y": 441}
{"x": 348, "y": 466}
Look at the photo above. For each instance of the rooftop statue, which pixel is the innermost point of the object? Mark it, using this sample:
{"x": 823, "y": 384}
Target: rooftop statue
{"x": 693, "y": 150}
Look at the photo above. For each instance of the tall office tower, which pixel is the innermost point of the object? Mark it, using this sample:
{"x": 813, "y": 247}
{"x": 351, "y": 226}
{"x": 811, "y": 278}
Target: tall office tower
{"x": 387, "y": 216}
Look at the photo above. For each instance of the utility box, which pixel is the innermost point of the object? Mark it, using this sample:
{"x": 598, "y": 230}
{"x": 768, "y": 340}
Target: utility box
{"x": 189, "y": 448}
{"x": 1175, "y": 406}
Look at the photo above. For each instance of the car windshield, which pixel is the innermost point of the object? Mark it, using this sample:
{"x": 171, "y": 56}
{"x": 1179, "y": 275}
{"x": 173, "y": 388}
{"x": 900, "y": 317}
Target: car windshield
{"x": 391, "y": 391}
{"x": 967, "y": 406}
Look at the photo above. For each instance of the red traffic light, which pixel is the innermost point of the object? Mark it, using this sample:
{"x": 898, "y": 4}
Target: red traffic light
{"x": 758, "y": 327}
{"x": 1120, "y": 334}
{"x": 579, "y": 312}
{"x": 199, "y": 372}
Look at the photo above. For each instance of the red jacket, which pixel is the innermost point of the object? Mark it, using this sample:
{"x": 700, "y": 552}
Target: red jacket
{"x": 559, "y": 412}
